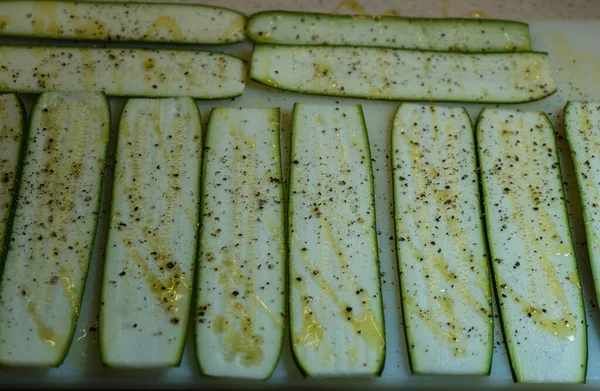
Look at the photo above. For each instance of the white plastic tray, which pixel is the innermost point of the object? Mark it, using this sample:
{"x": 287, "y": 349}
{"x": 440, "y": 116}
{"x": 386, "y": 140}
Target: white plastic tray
{"x": 575, "y": 56}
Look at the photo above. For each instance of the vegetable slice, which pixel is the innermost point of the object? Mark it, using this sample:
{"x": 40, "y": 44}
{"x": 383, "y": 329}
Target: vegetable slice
{"x": 396, "y": 74}
{"x": 240, "y": 310}
{"x": 582, "y": 127}
{"x": 113, "y": 21}
{"x": 130, "y": 72}
{"x": 462, "y": 35}
{"x": 336, "y": 309}
{"x": 535, "y": 270}
{"x": 441, "y": 248}
{"x": 54, "y": 227}
{"x": 12, "y": 124}
{"x": 152, "y": 237}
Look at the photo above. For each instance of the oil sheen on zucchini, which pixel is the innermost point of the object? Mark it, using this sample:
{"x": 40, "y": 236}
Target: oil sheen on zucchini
{"x": 395, "y": 74}
{"x": 461, "y": 35}
{"x": 534, "y": 265}
{"x": 582, "y": 127}
{"x": 441, "y": 248}
{"x": 336, "y": 310}
{"x": 241, "y": 264}
{"x": 152, "y": 237}
{"x": 12, "y": 124}
{"x": 120, "y": 21}
{"x": 122, "y": 72}
{"x": 54, "y": 227}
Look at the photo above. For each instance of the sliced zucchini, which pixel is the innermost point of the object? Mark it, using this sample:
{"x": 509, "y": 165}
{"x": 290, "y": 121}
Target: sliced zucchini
{"x": 114, "y": 21}
{"x": 152, "y": 237}
{"x": 123, "y": 72}
{"x": 336, "y": 310}
{"x": 441, "y": 248}
{"x": 582, "y": 127}
{"x": 12, "y": 124}
{"x": 241, "y": 292}
{"x": 396, "y": 74}
{"x": 462, "y": 35}
{"x": 54, "y": 227}
{"x": 535, "y": 270}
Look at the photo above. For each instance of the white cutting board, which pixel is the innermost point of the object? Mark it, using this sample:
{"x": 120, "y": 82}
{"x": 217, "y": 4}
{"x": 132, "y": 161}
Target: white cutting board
{"x": 575, "y": 54}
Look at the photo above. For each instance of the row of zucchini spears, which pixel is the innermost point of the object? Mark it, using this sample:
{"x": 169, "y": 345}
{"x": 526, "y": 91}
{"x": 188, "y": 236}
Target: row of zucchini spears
{"x": 50, "y": 197}
{"x": 396, "y": 58}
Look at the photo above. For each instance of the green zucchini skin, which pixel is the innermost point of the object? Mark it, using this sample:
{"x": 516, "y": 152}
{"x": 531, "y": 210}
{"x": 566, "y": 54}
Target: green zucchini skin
{"x": 407, "y": 75}
{"x": 443, "y": 34}
{"x": 582, "y": 124}
{"x": 440, "y": 242}
{"x": 11, "y": 175}
{"x": 152, "y": 237}
{"x": 544, "y": 327}
{"x": 122, "y": 71}
{"x": 122, "y": 22}
{"x": 44, "y": 300}
{"x": 240, "y": 294}
{"x": 316, "y": 325}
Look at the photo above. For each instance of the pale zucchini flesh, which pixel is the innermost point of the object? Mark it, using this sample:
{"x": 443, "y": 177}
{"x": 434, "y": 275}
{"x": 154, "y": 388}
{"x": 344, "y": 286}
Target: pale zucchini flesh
{"x": 336, "y": 311}
{"x": 241, "y": 264}
{"x": 582, "y": 127}
{"x": 534, "y": 265}
{"x": 12, "y": 124}
{"x": 395, "y": 74}
{"x": 122, "y": 72}
{"x": 152, "y": 238}
{"x": 461, "y": 35}
{"x": 440, "y": 242}
{"x": 54, "y": 227}
{"x": 114, "y": 21}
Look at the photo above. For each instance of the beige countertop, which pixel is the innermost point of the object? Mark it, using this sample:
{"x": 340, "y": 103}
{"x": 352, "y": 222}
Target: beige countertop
{"x": 502, "y": 9}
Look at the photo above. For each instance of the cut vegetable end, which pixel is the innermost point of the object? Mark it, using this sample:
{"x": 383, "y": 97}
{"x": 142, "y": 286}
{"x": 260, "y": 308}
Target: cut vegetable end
{"x": 336, "y": 310}
{"x": 152, "y": 237}
{"x": 122, "y": 72}
{"x": 582, "y": 127}
{"x": 54, "y": 227}
{"x": 240, "y": 299}
{"x": 12, "y": 125}
{"x": 441, "y": 249}
{"x": 461, "y": 35}
{"x": 394, "y": 74}
{"x": 535, "y": 270}
{"x": 149, "y": 22}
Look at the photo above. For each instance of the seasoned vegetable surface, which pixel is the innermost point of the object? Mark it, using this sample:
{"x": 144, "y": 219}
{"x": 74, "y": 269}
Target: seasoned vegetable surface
{"x": 241, "y": 271}
{"x": 336, "y": 310}
{"x": 130, "y": 72}
{"x": 120, "y": 21}
{"x": 151, "y": 250}
{"x": 462, "y": 35}
{"x": 440, "y": 242}
{"x": 54, "y": 227}
{"x": 535, "y": 270}
{"x": 396, "y": 74}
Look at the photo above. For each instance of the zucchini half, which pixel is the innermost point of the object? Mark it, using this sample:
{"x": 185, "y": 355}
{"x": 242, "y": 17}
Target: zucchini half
{"x": 534, "y": 265}
{"x": 336, "y": 309}
{"x": 582, "y": 127}
{"x": 54, "y": 227}
{"x": 241, "y": 290}
{"x": 395, "y": 74}
{"x": 440, "y": 241}
{"x": 12, "y": 125}
{"x": 152, "y": 236}
{"x": 446, "y": 34}
{"x": 122, "y": 72}
{"x": 120, "y": 21}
